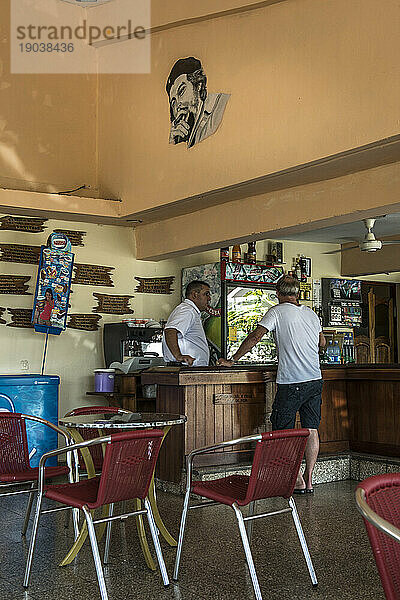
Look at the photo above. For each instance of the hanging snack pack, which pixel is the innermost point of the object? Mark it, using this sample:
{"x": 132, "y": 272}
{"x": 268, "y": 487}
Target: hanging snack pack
{"x": 53, "y": 285}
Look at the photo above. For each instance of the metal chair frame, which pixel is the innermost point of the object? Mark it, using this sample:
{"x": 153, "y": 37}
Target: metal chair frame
{"x": 91, "y": 522}
{"x": 68, "y": 441}
{"x": 86, "y": 410}
{"x": 373, "y": 518}
{"x": 244, "y": 522}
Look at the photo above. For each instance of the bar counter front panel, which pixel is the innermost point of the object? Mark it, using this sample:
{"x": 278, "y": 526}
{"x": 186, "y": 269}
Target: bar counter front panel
{"x": 360, "y": 409}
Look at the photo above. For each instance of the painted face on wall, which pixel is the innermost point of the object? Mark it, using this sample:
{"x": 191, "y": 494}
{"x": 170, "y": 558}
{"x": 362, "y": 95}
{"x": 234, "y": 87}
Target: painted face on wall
{"x": 183, "y": 97}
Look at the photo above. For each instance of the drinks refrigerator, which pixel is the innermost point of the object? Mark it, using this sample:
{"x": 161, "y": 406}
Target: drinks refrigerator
{"x": 344, "y": 314}
{"x": 240, "y": 295}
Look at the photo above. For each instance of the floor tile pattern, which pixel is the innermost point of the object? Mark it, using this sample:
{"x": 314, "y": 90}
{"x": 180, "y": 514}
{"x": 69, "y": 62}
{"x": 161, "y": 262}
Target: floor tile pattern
{"x": 213, "y": 564}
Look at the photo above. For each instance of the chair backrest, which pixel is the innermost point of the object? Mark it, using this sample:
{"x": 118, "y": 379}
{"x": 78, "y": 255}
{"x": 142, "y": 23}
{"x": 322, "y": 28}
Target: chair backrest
{"x": 276, "y": 463}
{"x": 382, "y": 494}
{"x": 129, "y": 463}
{"x": 14, "y": 454}
{"x": 96, "y": 452}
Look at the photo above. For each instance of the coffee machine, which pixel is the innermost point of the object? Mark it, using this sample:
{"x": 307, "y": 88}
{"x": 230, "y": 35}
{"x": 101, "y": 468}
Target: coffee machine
{"x": 132, "y": 348}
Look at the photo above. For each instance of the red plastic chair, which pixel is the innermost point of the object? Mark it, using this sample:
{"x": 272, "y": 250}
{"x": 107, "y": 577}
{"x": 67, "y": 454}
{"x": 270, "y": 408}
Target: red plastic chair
{"x": 378, "y": 500}
{"x": 96, "y": 452}
{"x": 15, "y": 468}
{"x": 276, "y": 464}
{"x": 128, "y": 466}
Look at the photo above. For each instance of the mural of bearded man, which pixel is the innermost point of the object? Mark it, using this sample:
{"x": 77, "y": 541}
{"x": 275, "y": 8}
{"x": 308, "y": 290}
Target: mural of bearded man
{"x": 195, "y": 114}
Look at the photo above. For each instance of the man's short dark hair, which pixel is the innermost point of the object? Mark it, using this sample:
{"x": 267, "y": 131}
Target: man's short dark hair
{"x": 191, "y": 67}
{"x": 195, "y": 286}
{"x": 288, "y": 286}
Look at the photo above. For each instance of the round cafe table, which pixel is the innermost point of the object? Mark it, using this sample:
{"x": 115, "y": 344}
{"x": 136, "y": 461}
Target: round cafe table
{"x": 121, "y": 422}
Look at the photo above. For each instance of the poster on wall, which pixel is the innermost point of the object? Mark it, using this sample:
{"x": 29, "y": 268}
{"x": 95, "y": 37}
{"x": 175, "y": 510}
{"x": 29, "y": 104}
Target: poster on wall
{"x": 195, "y": 114}
{"x": 53, "y": 285}
{"x": 211, "y": 318}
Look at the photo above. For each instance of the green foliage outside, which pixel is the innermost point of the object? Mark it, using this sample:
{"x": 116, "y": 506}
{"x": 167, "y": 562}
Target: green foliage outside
{"x": 245, "y": 316}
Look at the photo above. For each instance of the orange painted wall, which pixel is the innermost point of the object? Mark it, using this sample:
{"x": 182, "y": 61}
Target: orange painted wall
{"x": 308, "y": 79}
{"x": 48, "y": 139}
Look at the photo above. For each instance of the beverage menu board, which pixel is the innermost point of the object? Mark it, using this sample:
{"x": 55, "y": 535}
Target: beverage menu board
{"x": 342, "y": 302}
{"x": 345, "y": 313}
{"x": 345, "y": 289}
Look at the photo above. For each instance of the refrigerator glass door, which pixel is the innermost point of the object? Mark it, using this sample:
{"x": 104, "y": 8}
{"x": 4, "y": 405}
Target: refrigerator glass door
{"x": 245, "y": 308}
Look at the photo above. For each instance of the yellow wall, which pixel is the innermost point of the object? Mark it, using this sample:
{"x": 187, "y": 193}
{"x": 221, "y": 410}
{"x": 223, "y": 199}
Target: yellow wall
{"x": 48, "y": 138}
{"x": 75, "y": 354}
{"x": 307, "y": 79}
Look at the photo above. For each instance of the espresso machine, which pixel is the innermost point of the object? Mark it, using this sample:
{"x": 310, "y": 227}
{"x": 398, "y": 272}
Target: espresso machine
{"x": 130, "y": 348}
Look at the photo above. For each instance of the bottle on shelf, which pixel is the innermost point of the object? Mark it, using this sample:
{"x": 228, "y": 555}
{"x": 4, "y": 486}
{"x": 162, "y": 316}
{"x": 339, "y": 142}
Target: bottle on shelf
{"x": 298, "y": 268}
{"x": 303, "y": 267}
{"x": 224, "y": 254}
{"x": 329, "y": 351}
{"x": 251, "y": 253}
{"x": 236, "y": 253}
{"x": 336, "y": 352}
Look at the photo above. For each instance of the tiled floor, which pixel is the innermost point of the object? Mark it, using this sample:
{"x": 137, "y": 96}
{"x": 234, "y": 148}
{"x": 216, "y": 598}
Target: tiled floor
{"x": 213, "y": 564}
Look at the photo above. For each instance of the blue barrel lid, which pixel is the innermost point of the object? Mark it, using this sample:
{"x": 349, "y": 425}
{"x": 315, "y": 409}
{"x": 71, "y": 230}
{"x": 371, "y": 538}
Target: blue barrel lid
{"x": 29, "y": 380}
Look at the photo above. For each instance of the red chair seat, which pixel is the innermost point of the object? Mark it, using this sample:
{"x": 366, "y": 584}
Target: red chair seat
{"x": 83, "y": 493}
{"x": 226, "y": 490}
{"x": 32, "y": 474}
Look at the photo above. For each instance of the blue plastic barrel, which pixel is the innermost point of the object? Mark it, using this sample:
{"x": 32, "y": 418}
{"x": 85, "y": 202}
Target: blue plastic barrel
{"x": 33, "y": 395}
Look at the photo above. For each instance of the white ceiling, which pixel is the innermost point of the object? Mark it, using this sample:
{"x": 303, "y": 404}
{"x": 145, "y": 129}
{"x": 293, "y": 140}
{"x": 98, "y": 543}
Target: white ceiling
{"x": 388, "y": 225}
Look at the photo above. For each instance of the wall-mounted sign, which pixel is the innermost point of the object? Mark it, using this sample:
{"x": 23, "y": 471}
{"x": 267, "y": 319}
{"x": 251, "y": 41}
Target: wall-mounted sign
{"x": 14, "y": 284}
{"x": 53, "y": 285}
{"x": 20, "y": 253}
{"x": 93, "y": 275}
{"x": 26, "y": 224}
{"x": 154, "y": 285}
{"x": 20, "y": 317}
{"x": 112, "y": 304}
{"x": 86, "y": 322}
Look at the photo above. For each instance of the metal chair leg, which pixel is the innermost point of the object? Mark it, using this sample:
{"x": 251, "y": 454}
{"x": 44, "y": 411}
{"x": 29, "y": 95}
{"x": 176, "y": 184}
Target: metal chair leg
{"x": 249, "y": 524}
{"x": 75, "y": 520}
{"x": 303, "y": 542}
{"x": 108, "y": 535}
{"x": 96, "y": 555}
{"x": 28, "y": 509}
{"x": 67, "y": 519}
{"x": 247, "y": 551}
{"x": 33, "y": 540}
{"x": 181, "y": 534}
{"x": 156, "y": 541}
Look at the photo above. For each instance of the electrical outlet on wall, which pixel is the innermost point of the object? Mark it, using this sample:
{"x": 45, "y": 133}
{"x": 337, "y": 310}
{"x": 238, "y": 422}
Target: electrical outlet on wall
{"x": 24, "y": 365}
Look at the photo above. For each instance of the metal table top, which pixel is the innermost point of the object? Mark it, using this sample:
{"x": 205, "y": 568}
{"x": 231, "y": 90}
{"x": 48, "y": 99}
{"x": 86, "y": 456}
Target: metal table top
{"x": 122, "y": 421}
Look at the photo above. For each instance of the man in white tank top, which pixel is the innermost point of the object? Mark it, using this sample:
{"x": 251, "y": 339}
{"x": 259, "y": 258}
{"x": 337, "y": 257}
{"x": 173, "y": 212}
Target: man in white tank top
{"x": 298, "y": 337}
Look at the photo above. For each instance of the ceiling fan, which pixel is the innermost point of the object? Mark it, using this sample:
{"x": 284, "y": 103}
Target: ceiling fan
{"x": 369, "y": 243}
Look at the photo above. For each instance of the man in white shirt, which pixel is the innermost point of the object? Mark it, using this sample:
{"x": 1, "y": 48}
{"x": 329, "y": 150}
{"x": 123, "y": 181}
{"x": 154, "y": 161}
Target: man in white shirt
{"x": 298, "y": 337}
{"x": 184, "y": 339}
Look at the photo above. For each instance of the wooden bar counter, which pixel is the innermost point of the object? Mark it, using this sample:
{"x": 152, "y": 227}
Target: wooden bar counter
{"x": 360, "y": 409}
